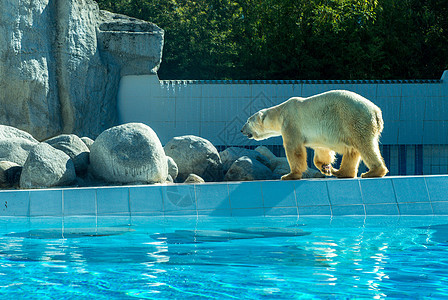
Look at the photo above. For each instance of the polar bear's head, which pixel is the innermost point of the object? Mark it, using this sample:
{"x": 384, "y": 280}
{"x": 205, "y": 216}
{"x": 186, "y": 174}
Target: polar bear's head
{"x": 261, "y": 125}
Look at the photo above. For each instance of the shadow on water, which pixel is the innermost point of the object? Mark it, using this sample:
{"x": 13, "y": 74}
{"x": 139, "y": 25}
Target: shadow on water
{"x": 223, "y": 247}
{"x": 70, "y": 233}
{"x": 225, "y": 235}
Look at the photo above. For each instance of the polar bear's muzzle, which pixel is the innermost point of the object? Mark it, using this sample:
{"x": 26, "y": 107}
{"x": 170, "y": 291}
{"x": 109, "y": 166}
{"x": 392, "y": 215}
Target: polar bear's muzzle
{"x": 246, "y": 132}
{"x": 249, "y": 135}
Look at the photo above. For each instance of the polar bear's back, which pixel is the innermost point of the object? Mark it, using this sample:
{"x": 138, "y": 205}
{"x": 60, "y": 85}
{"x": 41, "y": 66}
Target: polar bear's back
{"x": 336, "y": 114}
{"x": 344, "y": 100}
{"x": 340, "y": 104}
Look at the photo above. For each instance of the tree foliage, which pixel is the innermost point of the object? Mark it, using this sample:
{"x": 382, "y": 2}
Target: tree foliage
{"x": 297, "y": 39}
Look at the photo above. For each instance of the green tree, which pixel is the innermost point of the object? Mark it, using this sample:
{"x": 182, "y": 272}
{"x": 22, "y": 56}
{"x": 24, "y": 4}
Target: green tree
{"x": 297, "y": 39}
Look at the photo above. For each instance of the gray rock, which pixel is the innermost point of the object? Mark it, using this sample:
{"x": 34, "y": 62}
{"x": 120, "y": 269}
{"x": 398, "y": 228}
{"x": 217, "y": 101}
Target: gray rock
{"x": 195, "y": 155}
{"x": 9, "y": 174}
{"x": 16, "y": 149}
{"x": 47, "y": 167}
{"x": 88, "y": 141}
{"x": 193, "y": 178}
{"x": 246, "y": 169}
{"x": 263, "y": 150}
{"x": 74, "y": 147}
{"x": 231, "y": 154}
{"x": 61, "y": 63}
{"x": 8, "y": 132}
{"x": 172, "y": 168}
{"x": 129, "y": 153}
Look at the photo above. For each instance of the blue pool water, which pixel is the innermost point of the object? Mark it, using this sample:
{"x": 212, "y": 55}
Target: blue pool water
{"x": 224, "y": 258}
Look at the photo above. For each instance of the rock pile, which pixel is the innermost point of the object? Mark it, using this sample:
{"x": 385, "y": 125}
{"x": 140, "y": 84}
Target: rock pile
{"x": 128, "y": 154}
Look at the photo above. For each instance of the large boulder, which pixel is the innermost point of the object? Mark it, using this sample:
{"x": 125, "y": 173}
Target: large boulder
{"x": 129, "y": 153}
{"x": 247, "y": 169}
{"x": 61, "y": 63}
{"x": 195, "y": 155}
{"x": 231, "y": 154}
{"x": 15, "y": 149}
{"x": 47, "y": 167}
{"x": 8, "y": 132}
{"x": 74, "y": 147}
{"x": 15, "y": 144}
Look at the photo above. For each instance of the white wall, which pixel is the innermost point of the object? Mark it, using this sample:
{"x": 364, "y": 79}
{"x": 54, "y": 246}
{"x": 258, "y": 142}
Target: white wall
{"x": 415, "y": 112}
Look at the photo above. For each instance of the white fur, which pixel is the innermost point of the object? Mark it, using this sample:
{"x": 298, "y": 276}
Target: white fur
{"x": 340, "y": 121}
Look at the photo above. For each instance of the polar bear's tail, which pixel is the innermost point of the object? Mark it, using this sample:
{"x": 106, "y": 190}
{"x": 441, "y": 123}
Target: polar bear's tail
{"x": 379, "y": 121}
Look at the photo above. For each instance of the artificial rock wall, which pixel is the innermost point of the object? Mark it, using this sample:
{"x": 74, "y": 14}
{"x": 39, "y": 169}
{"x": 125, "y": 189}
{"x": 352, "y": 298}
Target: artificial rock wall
{"x": 61, "y": 62}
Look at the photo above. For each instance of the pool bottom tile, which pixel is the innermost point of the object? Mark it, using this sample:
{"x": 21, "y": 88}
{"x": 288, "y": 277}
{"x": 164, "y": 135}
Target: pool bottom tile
{"x": 215, "y": 212}
{"x": 415, "y": 209}
{"x": 212, "y": 196}
{"x": 113, "y": 201}
{"x": 179, "y": 198}
{"x": 46, "y": 203}
{"x": 278, "y": 194}
{"x": 244, "y": 195}
{"x": 80, "y": 202}
{"x": 281, "y": 211}
{"x": 382, "y": 209}
{"x": 348, "y": 210}
{"x": 185, "y": 212}
{"x": 248, "y": 212}
{"x": 148, "y": 214}
{"x": 440, "y": 207}
{"x": 146, "y": 200}
{"x": 15, "y": 203}
{"x": 320, "y": 210}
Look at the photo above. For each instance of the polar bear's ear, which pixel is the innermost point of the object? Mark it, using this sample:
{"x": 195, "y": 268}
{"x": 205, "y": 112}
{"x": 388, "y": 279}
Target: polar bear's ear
{"x": 262, "y": 116}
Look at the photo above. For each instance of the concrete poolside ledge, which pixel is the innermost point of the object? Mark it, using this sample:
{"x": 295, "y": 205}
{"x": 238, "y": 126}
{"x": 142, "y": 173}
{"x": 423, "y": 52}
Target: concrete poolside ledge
{"x": 391, "y": 196}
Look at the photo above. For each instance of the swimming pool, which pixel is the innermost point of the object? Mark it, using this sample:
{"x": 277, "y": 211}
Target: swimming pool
{"x": 224, "y": 257}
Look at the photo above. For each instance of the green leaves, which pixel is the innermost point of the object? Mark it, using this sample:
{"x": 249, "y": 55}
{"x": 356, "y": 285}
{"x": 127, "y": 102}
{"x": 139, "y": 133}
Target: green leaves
{"x": 297, "y": 39}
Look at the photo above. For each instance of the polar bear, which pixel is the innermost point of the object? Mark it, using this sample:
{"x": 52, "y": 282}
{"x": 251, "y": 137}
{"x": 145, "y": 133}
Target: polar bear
{"x": 335, "y": 121}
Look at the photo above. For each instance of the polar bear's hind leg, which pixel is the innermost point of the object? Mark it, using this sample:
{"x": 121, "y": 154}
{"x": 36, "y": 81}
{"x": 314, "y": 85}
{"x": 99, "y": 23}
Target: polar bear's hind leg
{"x": 349, "y": 164}
{"x": 373, "y": 160}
